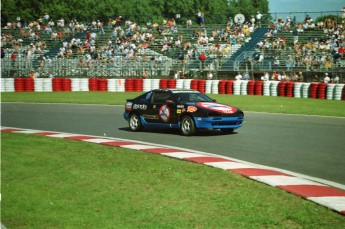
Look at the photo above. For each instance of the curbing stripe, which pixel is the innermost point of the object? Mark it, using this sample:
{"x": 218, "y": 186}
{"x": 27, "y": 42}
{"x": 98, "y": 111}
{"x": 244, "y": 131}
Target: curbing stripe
{"x": 182, "y": 155}
{"x": 207, "y": 159}
{"x": 279, "y": 180}
{"x": 316, "y": 190}
{"x": 229, "y": 165}
{"x": 161, "y": 150}
{"x": 324, "y": 195}
{"x": 252, "y": 172}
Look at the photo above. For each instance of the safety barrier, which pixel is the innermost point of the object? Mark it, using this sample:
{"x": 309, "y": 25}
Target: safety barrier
{"x": 313, "y": 90}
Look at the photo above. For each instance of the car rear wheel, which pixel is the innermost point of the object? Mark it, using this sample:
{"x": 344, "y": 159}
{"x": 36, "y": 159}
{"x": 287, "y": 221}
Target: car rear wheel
{"x": 135, "y": 123}
{"x": 187, "y": 126}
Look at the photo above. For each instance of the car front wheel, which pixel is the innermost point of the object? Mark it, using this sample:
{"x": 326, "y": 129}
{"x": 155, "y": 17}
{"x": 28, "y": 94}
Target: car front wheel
{"x": 135, "y": 122}
{"x": 187, "y": 126}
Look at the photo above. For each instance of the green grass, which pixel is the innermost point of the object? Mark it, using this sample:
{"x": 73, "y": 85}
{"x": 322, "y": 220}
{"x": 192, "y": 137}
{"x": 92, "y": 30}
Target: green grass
{"x": 247, "y": 103}
{"x": 57, "y": 183}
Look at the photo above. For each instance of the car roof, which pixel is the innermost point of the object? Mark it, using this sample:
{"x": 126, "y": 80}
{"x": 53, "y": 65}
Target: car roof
{"x": 174, "y": 89}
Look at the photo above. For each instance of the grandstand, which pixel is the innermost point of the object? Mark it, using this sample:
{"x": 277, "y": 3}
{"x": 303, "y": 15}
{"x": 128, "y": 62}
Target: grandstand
{"x": 160, "y": 50}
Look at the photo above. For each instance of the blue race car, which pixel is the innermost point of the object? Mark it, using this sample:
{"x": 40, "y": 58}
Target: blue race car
{"x": 187, "y": 110}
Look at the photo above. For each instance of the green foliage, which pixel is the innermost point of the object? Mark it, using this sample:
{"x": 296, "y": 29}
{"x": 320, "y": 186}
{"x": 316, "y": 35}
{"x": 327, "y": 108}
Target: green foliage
{"x": 216, "y": 11}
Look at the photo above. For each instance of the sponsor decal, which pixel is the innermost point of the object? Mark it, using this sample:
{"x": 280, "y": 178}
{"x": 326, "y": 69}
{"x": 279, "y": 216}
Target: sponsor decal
{"x": 155, "y": 117}
{"x": 128, "y": 106}
{"x": 179, "y": 111}
{"x": 140, "y": 107}
{"x": 164, "y": 113}
{"x": 180, "y": 106}
{"x": 224, "y": 109}
{"x": 191, "y": 109}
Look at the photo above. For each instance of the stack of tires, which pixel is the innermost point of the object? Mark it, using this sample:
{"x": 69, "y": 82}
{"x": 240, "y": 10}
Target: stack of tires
{"x": 313, "y": 90}
{"x": 330, "y": 91}
{"x": 274, "y": 88}
{"x": 258, "y": 87}
{"x": 229, "y": 87}
{"x": 281, "y": 88}
{"x": 297, "y": 92}
{"x": 338, "y": 93}
{"x": 266, "y": 88}
{"x": 251, "y": 87}
{"x": 305, "y": 90}
{"x": 289, "y": 89}
{"x": 244, "y": 87}
{"x": 321, "y": 94}
{"x": 237, "y": 87}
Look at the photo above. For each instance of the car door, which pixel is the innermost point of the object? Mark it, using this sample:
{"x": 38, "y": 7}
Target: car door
{"x": 163, "y": 108}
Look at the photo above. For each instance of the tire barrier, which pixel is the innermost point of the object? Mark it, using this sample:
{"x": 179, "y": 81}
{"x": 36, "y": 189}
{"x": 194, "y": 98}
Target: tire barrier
{"x": 102, "y": 84}
{"x": 120, "y": 85}
{"x": 163, "y": 83}
{"x": 208, "y": 86}
{"x": 129, "y": 85}
{"x": 305, "y": 90}
{"x": 330, "y": 91}
{"x": 274, "y": 88}
{"x": 171, "y": 83}
{"x": 75, "y": 83}
{"x": 289, "y": 89}
{"x": 282, "y": 89}
{"x": 39, "y": 85}
{"x": 237, "y": 87}
{"x": 2, "y": 85}
{"x": 229, "y": 87}
{"x": 338, "y": 93}
{"x": 147, "y": 85}
{"x": 297, "y": 92}
{"x": 179, "y": 83}
{"x": 244, "y": 87}
{"x": 93, "y": 84}
{"x": 258, "y": 87}
{"x": 111, "y": 86}
{"x": 321, "y": 94}
{"x": 266, "y": 88}
{"x": 138, "y": 84}
{"x": 221, "y": 87}
{"x": 314, "y": 90}
{"x": 155, "y": 84}
{"x": 19, "y": 84}
{"x": 214, "y": 87}
{"x": 201, "y": 86}
{"x": 194, "y": 85}
{"x": 251, "y": 87}
{"x": 187, "y": 84}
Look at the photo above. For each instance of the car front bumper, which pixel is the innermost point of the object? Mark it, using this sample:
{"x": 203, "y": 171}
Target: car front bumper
{"x": 218, "y": 122}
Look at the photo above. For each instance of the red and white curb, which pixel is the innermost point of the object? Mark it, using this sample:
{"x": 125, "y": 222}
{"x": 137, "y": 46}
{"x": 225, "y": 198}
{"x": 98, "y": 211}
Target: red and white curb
{"x": 320, "y": 193}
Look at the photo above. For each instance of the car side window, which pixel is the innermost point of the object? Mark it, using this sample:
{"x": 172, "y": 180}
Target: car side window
{"x": 161, "y": 97}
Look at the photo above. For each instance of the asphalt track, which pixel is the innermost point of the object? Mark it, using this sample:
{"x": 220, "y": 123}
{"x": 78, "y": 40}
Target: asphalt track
{"x": 310, "y": 145}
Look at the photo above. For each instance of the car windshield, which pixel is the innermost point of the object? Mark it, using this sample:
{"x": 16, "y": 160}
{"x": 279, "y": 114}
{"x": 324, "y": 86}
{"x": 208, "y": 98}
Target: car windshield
{"x": 188, "y": 96}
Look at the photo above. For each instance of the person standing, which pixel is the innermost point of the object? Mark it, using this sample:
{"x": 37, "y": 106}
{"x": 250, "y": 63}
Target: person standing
{"x": 238, "y": 76}
{"x": 326, "y": 79}
{"x": 202, "y": 59}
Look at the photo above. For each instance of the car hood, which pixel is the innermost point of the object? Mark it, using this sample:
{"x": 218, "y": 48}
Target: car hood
{"x": 214, "y": 107}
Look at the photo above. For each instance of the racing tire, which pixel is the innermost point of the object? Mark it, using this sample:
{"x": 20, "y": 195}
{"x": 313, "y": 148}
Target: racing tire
{"x": 227, "y": 131}
{"x": 134, "y": 123}
{"x": 187, "y": 126}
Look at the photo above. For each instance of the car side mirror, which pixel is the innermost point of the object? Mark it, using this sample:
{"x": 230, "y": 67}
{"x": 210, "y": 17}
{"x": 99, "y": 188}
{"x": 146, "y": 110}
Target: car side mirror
{"x": 214, "y": 100}
{"x": 168, "y": 101}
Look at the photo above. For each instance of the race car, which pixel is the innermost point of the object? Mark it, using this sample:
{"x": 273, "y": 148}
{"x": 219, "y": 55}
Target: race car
{"x": 188, "y": 110}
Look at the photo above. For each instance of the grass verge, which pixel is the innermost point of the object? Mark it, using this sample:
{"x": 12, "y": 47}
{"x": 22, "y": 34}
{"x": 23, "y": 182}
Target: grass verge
{"x": 57, "y": 183}
{"x": 284, "y": 105}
